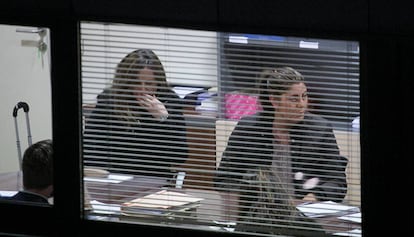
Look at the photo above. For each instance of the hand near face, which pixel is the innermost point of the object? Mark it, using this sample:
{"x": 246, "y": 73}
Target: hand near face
{"x": 310, "y": 197}
{"x": 155, "y": 107}
{"x": 308, "y": 183}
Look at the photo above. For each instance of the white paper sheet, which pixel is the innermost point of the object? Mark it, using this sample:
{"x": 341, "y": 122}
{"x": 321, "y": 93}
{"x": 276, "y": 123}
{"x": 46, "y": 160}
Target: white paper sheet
{"x": 102, "y": 208}
{"x": 351, "y": 233}
{"x": 354, "y": 217}
{"x": 321, "y": 209}
{"x": 112, "y": 178}
{"x": 182, "y": 91}
{"x": 163, "y": 199}
{"x": 7, "y": 193}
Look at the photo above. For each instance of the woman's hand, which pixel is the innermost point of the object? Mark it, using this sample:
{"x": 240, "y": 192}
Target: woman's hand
{"x": 310, "y": 197}
{"x": 155, "y": 107}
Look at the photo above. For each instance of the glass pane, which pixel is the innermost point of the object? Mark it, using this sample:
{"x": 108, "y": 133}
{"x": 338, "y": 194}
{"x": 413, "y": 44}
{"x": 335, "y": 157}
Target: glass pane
{"x": 25, "y": 114}
{"x": 219, "y": 160}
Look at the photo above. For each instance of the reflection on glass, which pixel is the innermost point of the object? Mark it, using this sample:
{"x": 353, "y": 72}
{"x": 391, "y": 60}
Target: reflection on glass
{"x": 215, "y": 75}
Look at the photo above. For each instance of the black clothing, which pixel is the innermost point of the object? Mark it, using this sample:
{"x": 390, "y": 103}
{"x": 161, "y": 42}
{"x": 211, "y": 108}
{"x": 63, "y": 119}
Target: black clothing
{"x": 145, "y": 146}
{"x": 313, "y": 151}
{"x": 29, "y": 197}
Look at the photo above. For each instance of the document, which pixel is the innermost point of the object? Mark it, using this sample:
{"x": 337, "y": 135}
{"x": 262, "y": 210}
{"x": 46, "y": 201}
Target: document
{"x": 354, "y": 217}
{"x": 103, "y": 208}
{"x": 111, "y": 178}
{"x": 353, "y": 233}
{"x": 161, "y": 202}
{"x": 183, "y": 91}
{"x": 321, "y": 209}
{"x": 7, "y": 193}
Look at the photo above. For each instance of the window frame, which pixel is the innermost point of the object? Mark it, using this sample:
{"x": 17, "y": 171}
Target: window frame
{"x": 385, "y": 43}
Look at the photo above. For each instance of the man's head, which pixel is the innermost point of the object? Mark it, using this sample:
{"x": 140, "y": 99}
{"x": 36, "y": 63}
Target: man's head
{"x": 37, "y": 167}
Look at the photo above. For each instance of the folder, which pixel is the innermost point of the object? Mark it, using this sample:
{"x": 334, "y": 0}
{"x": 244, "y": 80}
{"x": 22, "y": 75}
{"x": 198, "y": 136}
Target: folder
{"x": 163, "y": 202}
{"x": 327, "y": 208}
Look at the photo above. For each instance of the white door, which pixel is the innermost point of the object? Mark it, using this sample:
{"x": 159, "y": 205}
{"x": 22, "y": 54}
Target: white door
{"x": 24, "y": 76}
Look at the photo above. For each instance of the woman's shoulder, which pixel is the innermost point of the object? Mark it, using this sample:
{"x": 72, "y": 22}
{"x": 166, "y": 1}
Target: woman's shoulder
{"x": 255, "y": 122}
{"x": 169, "y": 96}
{"x": 103, "y": 105}
{"x": 104, "y": 95}
{"x": 105, "y": 99}
{"x": 316, "y": 121}
{"x": 249, "y": 120}
{"x": 316, "y": 118}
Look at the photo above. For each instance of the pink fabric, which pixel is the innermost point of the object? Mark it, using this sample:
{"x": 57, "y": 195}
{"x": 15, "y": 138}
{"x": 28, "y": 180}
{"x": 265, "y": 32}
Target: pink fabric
{"x": 239, "y": 105}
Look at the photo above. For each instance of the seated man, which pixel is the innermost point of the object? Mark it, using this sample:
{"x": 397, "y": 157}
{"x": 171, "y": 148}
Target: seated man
{"x": 37, "y": 168}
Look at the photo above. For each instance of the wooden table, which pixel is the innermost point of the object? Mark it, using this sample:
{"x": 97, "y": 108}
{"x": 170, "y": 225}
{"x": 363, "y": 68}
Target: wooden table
{"x": 215, "y": 208}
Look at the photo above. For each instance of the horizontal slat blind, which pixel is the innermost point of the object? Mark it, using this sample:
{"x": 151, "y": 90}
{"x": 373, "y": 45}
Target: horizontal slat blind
{"x": 217, "y": 143}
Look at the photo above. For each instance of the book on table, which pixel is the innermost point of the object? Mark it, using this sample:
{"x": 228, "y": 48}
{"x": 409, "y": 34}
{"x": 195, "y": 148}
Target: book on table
{"x": 163, "y": 202}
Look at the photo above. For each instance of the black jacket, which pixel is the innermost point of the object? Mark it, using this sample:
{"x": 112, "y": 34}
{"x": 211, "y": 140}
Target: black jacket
{"x": 314, "y": 152}
{"x": 29, "y": 197}
{"x": 147, "y": 147}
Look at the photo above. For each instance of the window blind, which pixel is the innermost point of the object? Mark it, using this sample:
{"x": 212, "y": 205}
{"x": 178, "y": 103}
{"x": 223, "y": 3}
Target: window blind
{"x": 193, "y": 143}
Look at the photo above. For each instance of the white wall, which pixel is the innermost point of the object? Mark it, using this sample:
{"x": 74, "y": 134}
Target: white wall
{"x": 189, "y": 56}
{"x": 24, "y": 76}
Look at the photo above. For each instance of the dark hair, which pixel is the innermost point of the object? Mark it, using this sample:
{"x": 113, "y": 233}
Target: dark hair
{"x": 37, "y": 165}
{"x": 126, "y": 76}
{"x": 276, "y": 81}
{"x": 130, "y": 66}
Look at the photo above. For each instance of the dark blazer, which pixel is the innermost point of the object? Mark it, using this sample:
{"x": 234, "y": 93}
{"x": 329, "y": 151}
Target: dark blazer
{"x": 147, "y": 147}
{"x": 29, "y": 197}
{"x": 314, "y": 152}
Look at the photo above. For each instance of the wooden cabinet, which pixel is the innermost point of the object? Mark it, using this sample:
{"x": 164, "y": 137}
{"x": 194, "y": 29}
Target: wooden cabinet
{"x": 201, "y": 138}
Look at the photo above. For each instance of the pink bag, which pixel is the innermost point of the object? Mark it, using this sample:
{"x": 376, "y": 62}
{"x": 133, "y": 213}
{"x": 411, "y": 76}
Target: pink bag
{"x": 239, "y": 105}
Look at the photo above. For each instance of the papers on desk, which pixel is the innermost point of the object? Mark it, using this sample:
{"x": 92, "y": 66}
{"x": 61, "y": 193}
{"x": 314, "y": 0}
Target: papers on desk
{"x": 182, "y": 91}
{"x": 351, "y": 233}
{"x": 111, "y": 178}
{"x": 354, "y": 217}
{"x": 327, "y": 208}
{"x": 102, "y": 208}
{"x": 7, "y": 193}
{"x": 163, "y": 202}
{"x": 224, "y": 225}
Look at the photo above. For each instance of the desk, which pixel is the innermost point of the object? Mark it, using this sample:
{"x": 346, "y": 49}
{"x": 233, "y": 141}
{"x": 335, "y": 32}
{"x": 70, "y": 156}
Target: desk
{"x": 217, "y": 210}
{"x": 110, "y": 191}
{"x": 10, "y": 181}
{"x": 211, "y": 207}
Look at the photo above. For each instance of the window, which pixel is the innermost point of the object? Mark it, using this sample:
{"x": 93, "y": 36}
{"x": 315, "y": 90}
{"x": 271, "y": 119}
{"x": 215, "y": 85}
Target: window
{"x": 26, "y": 109}
{"x": 202, "y": 130}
